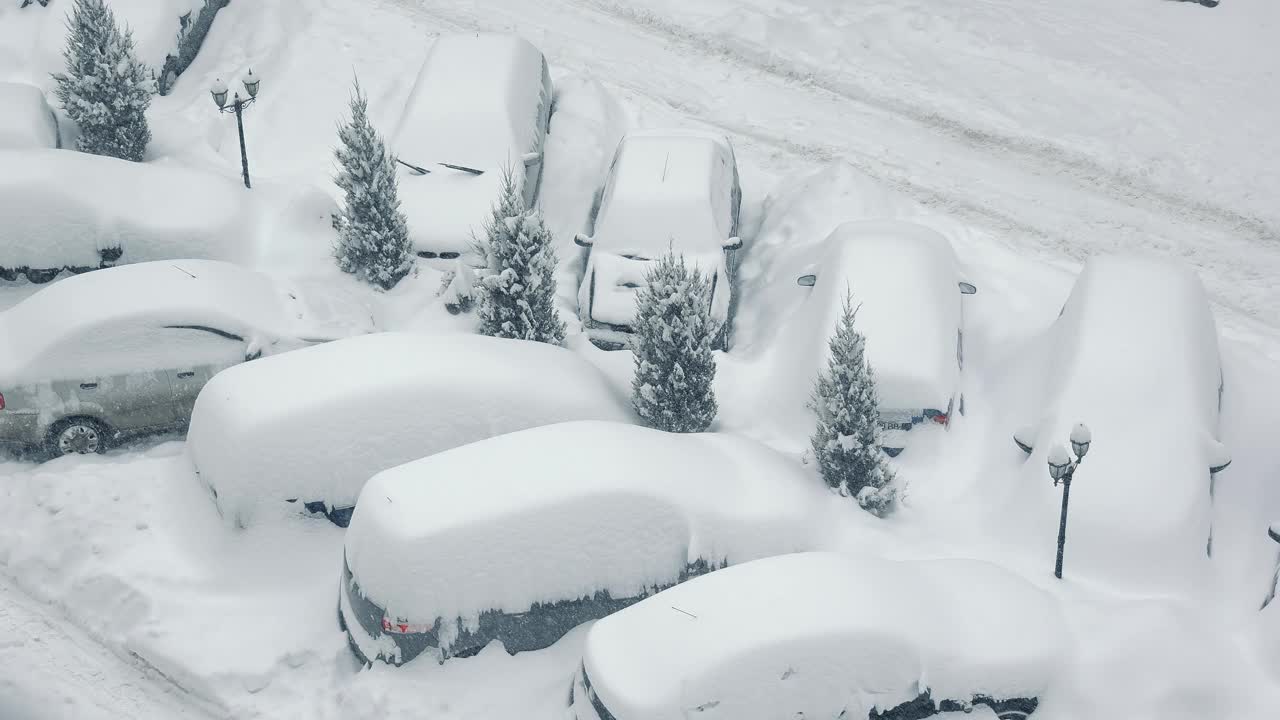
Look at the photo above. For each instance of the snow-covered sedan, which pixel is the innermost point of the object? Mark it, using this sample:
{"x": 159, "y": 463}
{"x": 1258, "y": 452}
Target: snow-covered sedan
{"x": 1134, "y": 356}
{"x": 905, "y": 281}
{"x": 825, "y": 635}
{"x": 125, "y": 351}
{"x": 27, "y": 121}
{"x": 480, "y": 107}
{"x": 313, "y": 426}
{"x": 524, "y": 536}
{"x": 667, "y": 192}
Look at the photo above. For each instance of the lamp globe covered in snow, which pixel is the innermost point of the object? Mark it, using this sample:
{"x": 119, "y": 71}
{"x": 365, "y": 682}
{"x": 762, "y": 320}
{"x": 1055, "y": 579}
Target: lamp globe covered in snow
{"x": 1059, "y": 463}
{"x": 219, "y": 92}
{"x": 251, "y": 81}
{"x": 1080, "y": 439}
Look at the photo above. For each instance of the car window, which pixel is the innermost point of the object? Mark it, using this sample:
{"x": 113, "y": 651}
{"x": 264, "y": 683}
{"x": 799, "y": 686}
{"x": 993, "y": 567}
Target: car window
{"x": 125, "y": 347}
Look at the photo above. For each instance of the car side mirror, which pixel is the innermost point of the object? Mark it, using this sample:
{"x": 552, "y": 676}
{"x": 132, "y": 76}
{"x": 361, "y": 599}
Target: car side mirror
{"x": 807, "y": 280}
{"x": 733, "y": 243}
{"x": 968, "y": 288}
{"x": 1025, "y": 439}
{"x": 583, "y": 240}
{"x": 1219, "y": 458}
{"x": 530, "y": 158}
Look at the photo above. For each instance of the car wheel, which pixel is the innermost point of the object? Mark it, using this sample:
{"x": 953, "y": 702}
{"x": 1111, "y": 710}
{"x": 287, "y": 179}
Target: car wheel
{"x": 8, "y": 275}
{"x": 40, "y": 277}
{"x": 77, "y": 436}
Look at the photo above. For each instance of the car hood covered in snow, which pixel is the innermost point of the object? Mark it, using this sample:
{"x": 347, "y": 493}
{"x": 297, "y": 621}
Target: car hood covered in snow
{"x": 447, "y": 209}
{"x": 825, "y": 635}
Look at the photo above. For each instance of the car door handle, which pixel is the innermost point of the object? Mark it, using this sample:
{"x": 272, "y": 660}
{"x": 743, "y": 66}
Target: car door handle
{"x": 88, "y": 386}
{"x": 187, "y": 374}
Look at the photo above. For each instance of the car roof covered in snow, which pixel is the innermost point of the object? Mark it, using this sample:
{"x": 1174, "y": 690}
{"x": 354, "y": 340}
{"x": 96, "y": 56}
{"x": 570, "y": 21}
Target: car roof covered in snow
{"x": 661, "y": 197}
{"x": 324, "y": 419}
{"x": 474, "y": 103}
{"x": 815, "y": 634}
{"x": 42, "y": 330}
{"x": 565, "y": 511}
{"x": 903, "y": 278}
{"x": 1134, "y": 356}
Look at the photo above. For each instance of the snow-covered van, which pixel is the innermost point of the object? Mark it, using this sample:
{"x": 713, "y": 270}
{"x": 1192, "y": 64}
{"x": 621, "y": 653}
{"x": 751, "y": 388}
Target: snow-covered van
{"x": 125, "y": 351}
{"x": 1134, "y": 356}
{"x": 75, "y": 211}
{"x": 480, "y": 107}
{"x": 668, "y": 191}
{"x": 905, "y": 282}
{"x": 826, "y": 635}
{"x": 524, "y": 536}
{"x": 313, "y": 426}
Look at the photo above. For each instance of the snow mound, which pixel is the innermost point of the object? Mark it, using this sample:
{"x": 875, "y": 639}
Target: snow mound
{"x": 826, "y": 635}
{"x": 316, "y": 424}
{"x": 565, "y": 511}
{"x": 53, "y": 333}
{"x": 63, "y": 208}
{"x": 27, "y": 121}
{"x": 1134, "y": 356}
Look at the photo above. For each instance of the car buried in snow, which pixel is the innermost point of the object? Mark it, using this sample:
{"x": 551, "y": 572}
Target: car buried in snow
{"x": 667, "y": 192}
{"x": 124, "y": 351}
{"x": 904, "y": 281}
{"x": 522, "y": 537}
{"x": 825, "y": 635}
{"x": 480, "y": 108}
{"x": 1134, "y": 356}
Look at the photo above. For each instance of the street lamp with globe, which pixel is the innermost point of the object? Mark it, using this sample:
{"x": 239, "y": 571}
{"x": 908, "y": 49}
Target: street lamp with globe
{"x": 1062, "y": 469}
{"x": 237, "y": 106}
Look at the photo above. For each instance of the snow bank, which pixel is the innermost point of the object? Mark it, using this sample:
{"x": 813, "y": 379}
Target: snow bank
{"x": 317, "y": 423}
{"x": 565, "y": 511}
{"x": 62, "y": 330}
{"x": 62, "y": 208}
{"x": 27, "y": 121}
{"x": 1135, "y": 357}
{"x": 826, "y": 635}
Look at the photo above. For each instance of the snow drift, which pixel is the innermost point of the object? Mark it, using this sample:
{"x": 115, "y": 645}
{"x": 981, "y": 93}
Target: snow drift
{"x": 315, "y": 424}
{"x": 27, "y": 121}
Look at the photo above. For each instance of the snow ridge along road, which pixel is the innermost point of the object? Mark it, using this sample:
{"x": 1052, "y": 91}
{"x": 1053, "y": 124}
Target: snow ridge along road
{"x": 1037, "y": 196}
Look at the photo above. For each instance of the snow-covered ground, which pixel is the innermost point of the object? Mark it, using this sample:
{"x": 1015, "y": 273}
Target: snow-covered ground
{"x": 1031, "y": 133}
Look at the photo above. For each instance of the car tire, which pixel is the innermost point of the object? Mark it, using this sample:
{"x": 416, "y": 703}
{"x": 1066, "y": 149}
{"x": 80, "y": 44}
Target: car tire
{"x": 8, "y": 274}
{"x": 40, "y": 277}
{"x": 77, "y": 436}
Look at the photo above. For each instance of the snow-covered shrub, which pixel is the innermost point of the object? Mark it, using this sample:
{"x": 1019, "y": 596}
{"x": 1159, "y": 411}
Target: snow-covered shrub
{"x": 672, "y": 389}
{"x": 846, "y": 443}
{"x": 105, "y": 89}
{"x": 190, "y": 37}
{"x": 373, "y": 237}
{"x": 517, "y": 292}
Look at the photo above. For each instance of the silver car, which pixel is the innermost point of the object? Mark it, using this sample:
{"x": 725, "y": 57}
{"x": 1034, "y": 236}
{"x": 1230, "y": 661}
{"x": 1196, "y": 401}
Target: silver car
{"x": 124, "y": 351}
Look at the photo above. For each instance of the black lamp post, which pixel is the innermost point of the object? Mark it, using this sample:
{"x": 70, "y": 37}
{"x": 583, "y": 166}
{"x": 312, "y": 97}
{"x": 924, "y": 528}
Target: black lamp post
{"x": 237, "y": 106}
{"x": 1062, "y": 469}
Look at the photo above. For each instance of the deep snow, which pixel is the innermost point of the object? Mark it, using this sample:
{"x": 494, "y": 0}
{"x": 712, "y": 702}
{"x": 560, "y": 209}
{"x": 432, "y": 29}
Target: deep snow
{"x": 1033, "y": 133}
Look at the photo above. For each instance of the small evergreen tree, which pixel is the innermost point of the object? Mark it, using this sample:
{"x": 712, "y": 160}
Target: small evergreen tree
{"x": 105, "y": 89}
{"x": 373, "y": 237}
{"x": 846, "y": 443}
{"x": 672, "y": 389}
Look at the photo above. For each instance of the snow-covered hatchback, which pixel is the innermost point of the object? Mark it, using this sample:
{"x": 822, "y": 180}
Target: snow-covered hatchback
{"x": 524, "y": 536}
{"x": 668, "y": 191}
{"x": 825, "y": 635}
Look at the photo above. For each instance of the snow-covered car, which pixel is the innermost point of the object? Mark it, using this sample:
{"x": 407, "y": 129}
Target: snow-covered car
{"x": 825, "y": 635}
{"x": 27, "y": 121}
{"x": 75, "y": 211}
{"x": 905, "y": 281}
{"x": 480, "y": 107}
{"x": 125, "y": 351}
{"x": 1134, "y": 356}
{"x": 667, "y": 191}
{"x": 524, "y": 536}
{"x": 313, "y": 426}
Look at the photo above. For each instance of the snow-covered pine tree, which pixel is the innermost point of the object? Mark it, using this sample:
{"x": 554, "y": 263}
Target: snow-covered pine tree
{"x": 847, "y": 440}
{"x": 672, "y": 389}
{"x": 517, "y": 294}
{"x": 373, "y": 237}
{"x": 105, "y": 89}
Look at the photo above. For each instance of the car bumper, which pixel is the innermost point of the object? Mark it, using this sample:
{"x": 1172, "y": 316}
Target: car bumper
{"x": 361, "y": 618}
{"x": 19, "y": 429}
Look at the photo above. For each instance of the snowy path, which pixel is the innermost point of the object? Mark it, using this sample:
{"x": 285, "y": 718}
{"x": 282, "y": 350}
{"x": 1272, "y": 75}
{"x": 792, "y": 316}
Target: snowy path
{"x": 51, "y": 670}
{"x": 1040, "y": 198}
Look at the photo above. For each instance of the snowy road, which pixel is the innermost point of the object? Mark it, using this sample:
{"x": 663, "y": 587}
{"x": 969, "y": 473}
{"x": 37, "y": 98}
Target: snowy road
{"x": 1046, "y": 200}
{"x": 50, "y": 670}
